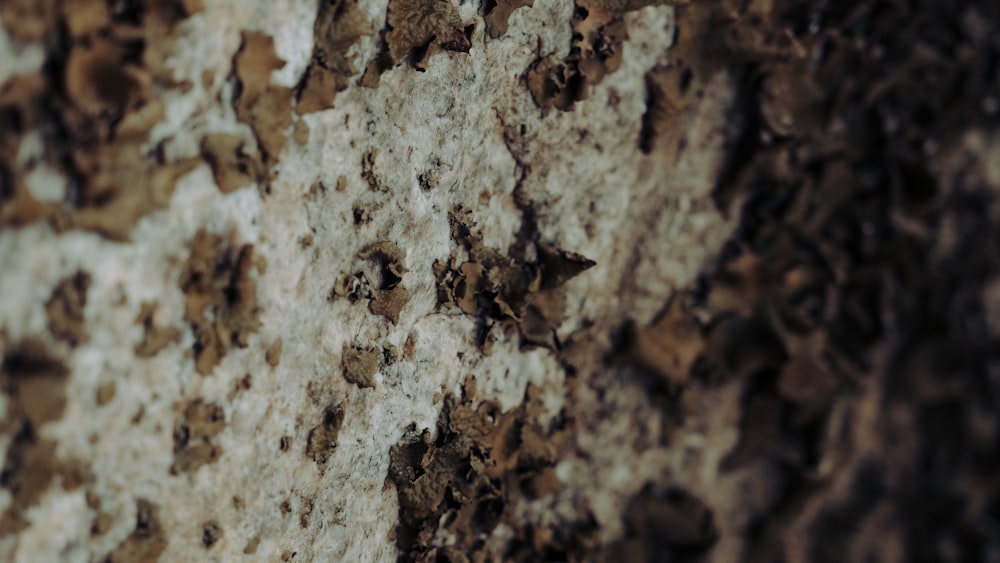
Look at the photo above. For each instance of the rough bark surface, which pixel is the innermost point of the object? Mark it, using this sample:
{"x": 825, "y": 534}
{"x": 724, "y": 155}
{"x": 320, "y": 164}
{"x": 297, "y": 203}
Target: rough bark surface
{"x": 432, "y": 280}
{"x": 164, "y": 322}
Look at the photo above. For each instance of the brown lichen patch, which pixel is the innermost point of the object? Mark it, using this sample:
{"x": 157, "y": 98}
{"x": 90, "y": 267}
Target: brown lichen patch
{"x": 266, "y": 108}
{"x": 368, "y": 171}
{"x": 696, "y": 56}
{"x": 35, "y": 383}
{"x": 664, "y": 526}
{"x": 389, "y": 297}
{"x": 154, "y": 337}
{"x": 146, "y": 542}
{"x": 350, "y": 286}
{"x": 414, "y": 31}
{"x": 273, "y": 354}
{"x": 234, "y": 165}
{"x": 301, "y": 132}
{"x": 339, "y": 24}
{"x": 308, "y": 505}
{"x": 211, "y": 533}
{"x": 64, "y": 308}
{"x": 496, "y": 14}
{"x": 836, "y": 309}
{"x": 413, "y": 24}
{"x": 322, "y": 440}
{"x": 28, "y": 471}
{"x": 360, "y": 364}
{"x": 669, "y": 347}
{"x": 84, "y": 17}
{"x": 221, "y": 300}
{"x": 101, "y": 524}
{"x": 251, "y": 546}
{"x": 193, "y": 435}
{"x": 467, "y": 479}
{"x": 389, "y": 302}
{"x": 499, "y": 288}
{"x": 105, "y": 392}
{"x": 595, "y": 51}
{"x": 94, "y": 105}
{"x": 31, "y": 465}
{"x": 27, "y": 20}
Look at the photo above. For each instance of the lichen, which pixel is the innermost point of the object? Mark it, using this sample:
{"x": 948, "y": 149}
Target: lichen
{"x": 322, "y": 440}
{"x": 496, "y": 14}
{"x": 265, "y": 107}
{"x": 498, "y": 288}
{"x": 339, "y": 24}
{"x": 360, "y": 364}
{"x": 146, "y": 542}
{"x": 468, "y": 479}
{"x": 154, "y": 338}
{"x": 221, "y": 303}
{"x": 193, "y": 445}
{"x": 94, "y": 106}
{"x": 65, "y": 307}
{"x": 599, "y": 34}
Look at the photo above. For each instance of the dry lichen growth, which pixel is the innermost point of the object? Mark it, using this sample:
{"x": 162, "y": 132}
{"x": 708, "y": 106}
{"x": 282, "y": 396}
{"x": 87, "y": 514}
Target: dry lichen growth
{"x": 360, "y": 365}
{"x": 94, "y": 107}
{"x": 273, "y": 354}
{"x": 234, "y": 165}
{"x": 266, "y": 108}
{"x": 496, "y": 14}
{"x": 322, "y": 440}
{"x": 221, "y": 303}
{"x": 415, "y": 23}
{"x": 146, "y": 542}
{"x": 595, "y": 51}
{"x": 193, "y": 435}
{"x": 415, "y": 30}
{"x": 64, "y": 308}
{"x": 389, "y": 297}
{"x": 468, "y": 476}
{"x": 834, "y": 293}
{"x": 669, "y": 347}
{"x": 339, "y": 24}
{"x": 505, "y": 292}
{"x": 154, "y": 338}
{"x": 34, "y": 383}
{"x": 670, "y": 525}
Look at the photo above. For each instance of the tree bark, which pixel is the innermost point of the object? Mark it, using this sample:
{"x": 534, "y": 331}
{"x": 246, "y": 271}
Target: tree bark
{"x": 359, "y": 281}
